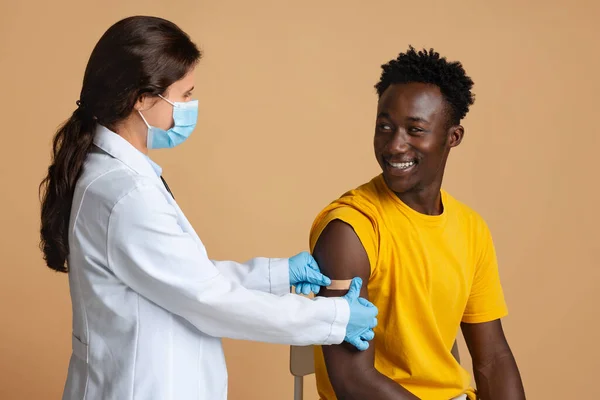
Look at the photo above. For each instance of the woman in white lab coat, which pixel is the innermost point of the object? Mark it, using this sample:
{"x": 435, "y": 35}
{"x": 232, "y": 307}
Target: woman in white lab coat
{"x": 149, "y": 306}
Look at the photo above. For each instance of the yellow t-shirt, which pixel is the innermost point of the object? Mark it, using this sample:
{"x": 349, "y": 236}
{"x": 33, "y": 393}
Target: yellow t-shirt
{"x": 428, "y": 273}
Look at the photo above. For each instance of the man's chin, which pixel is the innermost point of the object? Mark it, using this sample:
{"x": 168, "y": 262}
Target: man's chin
{"x": 397, "y": 185}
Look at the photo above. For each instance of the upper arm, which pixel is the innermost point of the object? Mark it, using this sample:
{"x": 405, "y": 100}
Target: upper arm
{"x": 485, "y": 341}
{"x": 341, "y": 255}
{"x": 494, "y": 366}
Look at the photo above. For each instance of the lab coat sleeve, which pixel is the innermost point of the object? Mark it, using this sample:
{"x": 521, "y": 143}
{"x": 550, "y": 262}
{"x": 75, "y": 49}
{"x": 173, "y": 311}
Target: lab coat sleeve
{"x": 271, "y": 275}
{"x": 149, "y": 251}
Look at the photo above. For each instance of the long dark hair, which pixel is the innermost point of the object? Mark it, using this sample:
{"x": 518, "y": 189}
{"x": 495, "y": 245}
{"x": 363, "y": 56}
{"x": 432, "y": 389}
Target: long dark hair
{"x": 136, "y": 56}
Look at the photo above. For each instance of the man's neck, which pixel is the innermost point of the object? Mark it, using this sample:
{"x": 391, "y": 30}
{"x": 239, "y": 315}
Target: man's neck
{"x": 426, "y": 201}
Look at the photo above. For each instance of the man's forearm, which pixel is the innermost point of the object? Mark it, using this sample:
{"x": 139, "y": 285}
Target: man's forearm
{"x": 500, "y": 379}
{"x": 370, "y": 385}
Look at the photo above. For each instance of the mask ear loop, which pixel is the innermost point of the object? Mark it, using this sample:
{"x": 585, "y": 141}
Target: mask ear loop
{"x": 167, "y": 100}
{"x": 144, "y": 119}
{"x": 148, "y": 131}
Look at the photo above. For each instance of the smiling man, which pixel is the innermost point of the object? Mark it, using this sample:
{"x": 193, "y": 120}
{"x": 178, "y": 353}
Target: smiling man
{"x": 429, "y": 260}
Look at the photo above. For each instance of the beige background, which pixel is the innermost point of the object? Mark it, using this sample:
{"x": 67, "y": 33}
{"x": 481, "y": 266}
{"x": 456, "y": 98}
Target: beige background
{"x": 286, "y": 122}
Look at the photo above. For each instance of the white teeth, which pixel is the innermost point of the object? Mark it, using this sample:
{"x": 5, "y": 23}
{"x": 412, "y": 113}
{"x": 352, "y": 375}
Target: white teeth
{"x": 403, "y": 165}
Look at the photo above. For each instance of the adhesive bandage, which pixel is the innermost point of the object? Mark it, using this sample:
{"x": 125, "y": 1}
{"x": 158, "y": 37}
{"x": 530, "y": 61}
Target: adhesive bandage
{"x": 340, "y": 285}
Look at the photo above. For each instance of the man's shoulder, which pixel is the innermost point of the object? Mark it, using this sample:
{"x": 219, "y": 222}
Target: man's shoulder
{"x": 360, "y": 202}
{"x": 365, "y": 197}
{"x": 464, "y": 212}
{"x": 356, "y": 207}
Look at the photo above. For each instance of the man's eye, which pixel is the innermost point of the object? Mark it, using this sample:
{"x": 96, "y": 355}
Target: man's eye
{"x": 385, "y": 127}
{"x": 415, "y": 130}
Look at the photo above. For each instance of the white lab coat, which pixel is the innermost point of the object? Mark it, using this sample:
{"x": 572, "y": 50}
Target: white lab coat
{"x": 149, "y": 307}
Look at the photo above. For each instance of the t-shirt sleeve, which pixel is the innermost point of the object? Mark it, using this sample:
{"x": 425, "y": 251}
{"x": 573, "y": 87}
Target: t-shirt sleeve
{"x": 360, "y": 223}
{"x": 486, "y": 301}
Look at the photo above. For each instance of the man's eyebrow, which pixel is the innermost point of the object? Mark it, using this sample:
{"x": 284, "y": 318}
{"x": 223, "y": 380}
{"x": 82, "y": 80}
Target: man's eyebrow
{"x": 384, "y": 114}
{"x": 417, "y": 119}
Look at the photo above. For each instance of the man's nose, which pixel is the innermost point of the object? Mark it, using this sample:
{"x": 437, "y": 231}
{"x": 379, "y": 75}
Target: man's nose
{"x": 398, "y": 143}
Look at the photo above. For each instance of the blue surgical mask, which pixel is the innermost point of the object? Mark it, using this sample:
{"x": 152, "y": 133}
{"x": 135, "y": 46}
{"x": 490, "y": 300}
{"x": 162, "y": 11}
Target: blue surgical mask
{"x": 185, "y": 116}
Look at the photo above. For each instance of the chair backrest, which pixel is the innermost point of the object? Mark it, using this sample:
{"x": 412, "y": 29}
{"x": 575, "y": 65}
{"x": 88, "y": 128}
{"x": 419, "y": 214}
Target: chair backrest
{"x": 302, "y": 360}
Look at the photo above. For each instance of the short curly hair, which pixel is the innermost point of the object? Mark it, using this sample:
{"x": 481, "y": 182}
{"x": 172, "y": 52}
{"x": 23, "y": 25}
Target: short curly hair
{"x": 429, "y": 67}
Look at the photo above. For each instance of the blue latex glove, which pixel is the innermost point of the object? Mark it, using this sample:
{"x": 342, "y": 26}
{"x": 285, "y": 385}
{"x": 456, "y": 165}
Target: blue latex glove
{"x": 362, "y": 317}
{"x": 305, "y": 274}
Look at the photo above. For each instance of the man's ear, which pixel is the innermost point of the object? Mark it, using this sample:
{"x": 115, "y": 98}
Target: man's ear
{"x": 455, "y": 135}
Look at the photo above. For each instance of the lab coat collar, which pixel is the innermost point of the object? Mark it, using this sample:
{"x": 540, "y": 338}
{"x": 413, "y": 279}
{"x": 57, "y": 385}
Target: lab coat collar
{"x": 157, "y": 168}
{"x": 122, "y": 150}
